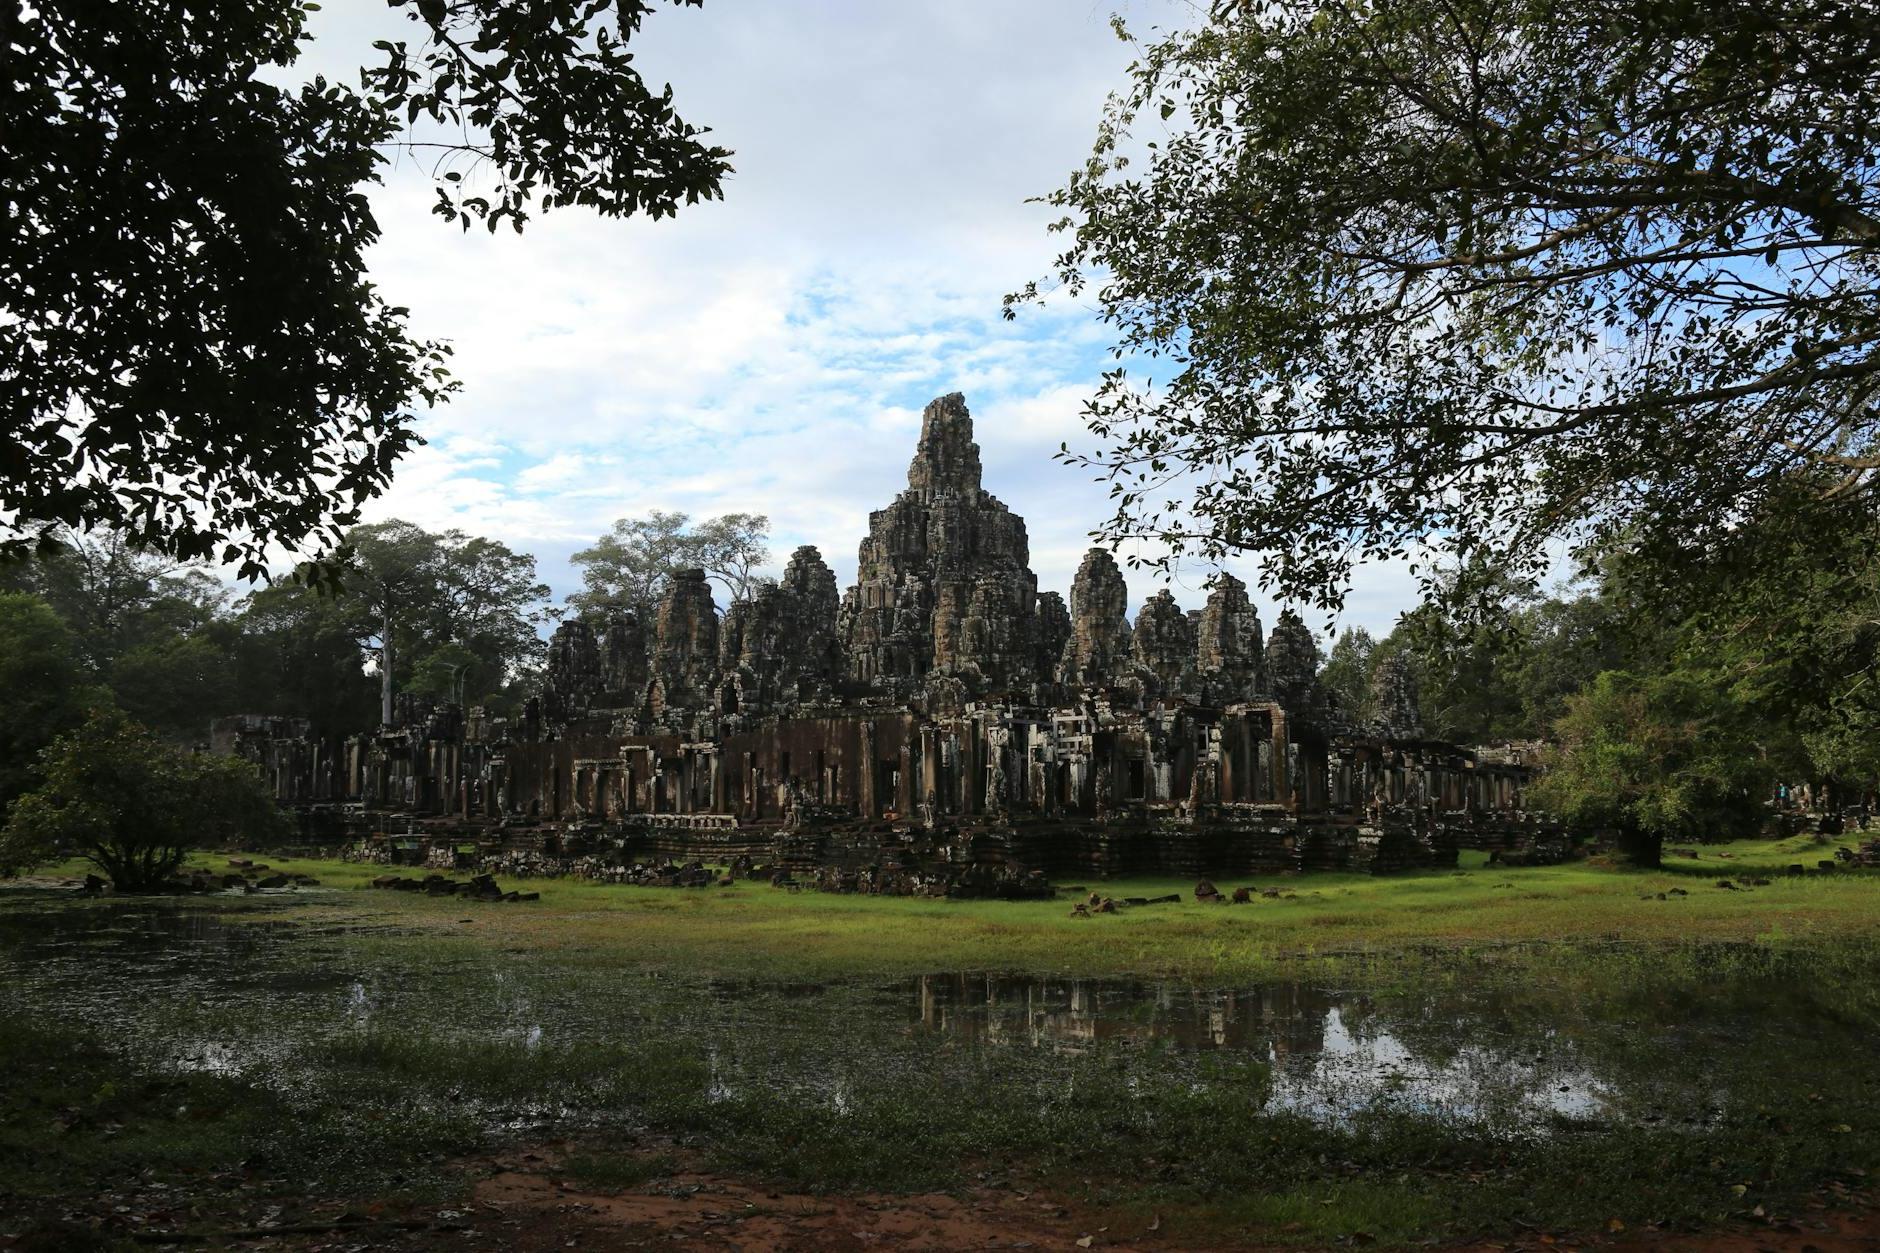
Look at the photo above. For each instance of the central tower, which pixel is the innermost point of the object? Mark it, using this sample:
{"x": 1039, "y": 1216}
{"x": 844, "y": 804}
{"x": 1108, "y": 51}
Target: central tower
{"x": 944, "y": 587}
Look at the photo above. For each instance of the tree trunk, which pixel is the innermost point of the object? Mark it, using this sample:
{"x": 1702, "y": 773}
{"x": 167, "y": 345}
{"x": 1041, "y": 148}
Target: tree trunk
{"x": 1647, "y": 851}
{"x": 385, "y": 672}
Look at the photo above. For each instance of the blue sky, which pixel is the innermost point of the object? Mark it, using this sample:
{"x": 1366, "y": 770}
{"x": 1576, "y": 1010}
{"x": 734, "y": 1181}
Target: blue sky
{"x": 771, "y": 353}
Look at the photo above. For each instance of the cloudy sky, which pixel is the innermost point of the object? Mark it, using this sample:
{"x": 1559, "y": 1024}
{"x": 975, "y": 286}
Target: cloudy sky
{"x": 772, "y": 352}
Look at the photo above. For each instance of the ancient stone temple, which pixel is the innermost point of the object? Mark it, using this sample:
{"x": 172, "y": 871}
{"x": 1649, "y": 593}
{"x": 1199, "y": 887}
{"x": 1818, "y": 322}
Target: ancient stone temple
{"x": 944, "y": 603}
{"x": 942, "y": 710}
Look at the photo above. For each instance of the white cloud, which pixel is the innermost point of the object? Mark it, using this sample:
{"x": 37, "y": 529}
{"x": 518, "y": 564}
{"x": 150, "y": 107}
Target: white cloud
{"x": 771, "y": 353}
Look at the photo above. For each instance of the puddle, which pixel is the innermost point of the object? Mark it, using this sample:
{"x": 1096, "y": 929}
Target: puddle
{"x": 1331, "y": 1054}
{"x": 245, "y": 990}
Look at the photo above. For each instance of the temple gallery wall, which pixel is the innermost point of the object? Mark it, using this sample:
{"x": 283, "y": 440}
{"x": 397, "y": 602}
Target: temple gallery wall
{"x": 941, "y": 710}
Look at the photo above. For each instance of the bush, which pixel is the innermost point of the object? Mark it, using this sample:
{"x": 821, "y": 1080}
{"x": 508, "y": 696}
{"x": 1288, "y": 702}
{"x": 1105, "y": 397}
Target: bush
{"x": 116, "y": 795}
{"x": 1661, "y": 756}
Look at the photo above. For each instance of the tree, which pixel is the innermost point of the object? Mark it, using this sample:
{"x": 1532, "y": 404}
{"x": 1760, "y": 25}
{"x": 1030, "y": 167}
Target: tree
{"x": 115, "y": 596}
{"x": 194, "y": 354}
{"x": 390, "y": 577}
{"x": 1568, "y": 642}
{"x": 1798, "y": 630}
{"x": 43, "y": 689}
{"x": 178, "y": 685}
{"x": 1474, "y": 275}
{"x": 132, "y": 805}
{"x": 630, "y": 564}
{"x": 1463, "y": 646}
{"x": 1674, "y": 755}
{"x": 1347, "y": 672}
{"x": 490, "y": 606}
{"x": 730, "y": 547}
{"x": 414, "y": 595}
{"x": 297, "y": 654}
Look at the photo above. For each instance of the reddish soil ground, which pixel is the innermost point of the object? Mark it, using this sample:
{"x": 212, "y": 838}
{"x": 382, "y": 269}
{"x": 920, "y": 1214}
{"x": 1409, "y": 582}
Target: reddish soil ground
{"x": 526, "y": 1205}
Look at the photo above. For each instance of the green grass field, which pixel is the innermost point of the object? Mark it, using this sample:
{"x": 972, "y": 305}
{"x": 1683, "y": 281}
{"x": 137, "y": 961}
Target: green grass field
{"x": 755, "y": 929}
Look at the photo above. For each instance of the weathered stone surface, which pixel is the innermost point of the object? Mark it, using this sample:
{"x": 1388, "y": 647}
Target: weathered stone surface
{"x": 943, "y": 580}
{"x": 1292, "y": 663}
{"x": 1099, "y": 643}
{"x": 574, "y": 671}
{"x": 1394, "y": 698}
{"x": 1228, "y": 646}
{"x": 778, "y": 649}
{"x": 815, "y": 659}
{"x": 685, "y": 648}
{"x": 1050, "y": 633}
{"x": 1164, "y": 644}
{"x": 946, "y": 460}
{"x": 623, "y": 660}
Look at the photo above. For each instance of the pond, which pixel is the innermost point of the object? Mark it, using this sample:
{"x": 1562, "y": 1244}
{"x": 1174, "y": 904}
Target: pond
{"x": 253, "y": 989}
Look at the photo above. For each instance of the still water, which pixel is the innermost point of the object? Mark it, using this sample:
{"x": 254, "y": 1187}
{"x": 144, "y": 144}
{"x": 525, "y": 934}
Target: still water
{"x": 187, "y": 985}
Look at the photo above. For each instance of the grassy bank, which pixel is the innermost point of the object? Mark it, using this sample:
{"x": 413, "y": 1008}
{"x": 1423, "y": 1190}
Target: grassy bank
{"x": 756, "y": 930}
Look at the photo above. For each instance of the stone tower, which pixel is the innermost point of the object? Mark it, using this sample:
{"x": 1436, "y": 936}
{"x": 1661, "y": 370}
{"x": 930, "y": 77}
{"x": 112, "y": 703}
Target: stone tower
{"x": 1050, "y": 633}
{"x": 574, "y": 671}
{"x": 1099, "y": 643}
{"x": 685, "y": 646}
{"x": 1229, "y": 650}
{"x": 943, "y": 581}
{"x": 1292, "y": 664}
{"x": 1394, "y": 698}
{"x": 623, "y": 656}
{"x": 1164, "y": 643}
{"x": 778, "y": 648}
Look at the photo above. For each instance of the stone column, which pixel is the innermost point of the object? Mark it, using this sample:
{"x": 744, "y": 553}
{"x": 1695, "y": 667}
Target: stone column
{"x": 870, "y": 768}
{"x": 1282, "y": 739}
{"x": 904, "y": 784}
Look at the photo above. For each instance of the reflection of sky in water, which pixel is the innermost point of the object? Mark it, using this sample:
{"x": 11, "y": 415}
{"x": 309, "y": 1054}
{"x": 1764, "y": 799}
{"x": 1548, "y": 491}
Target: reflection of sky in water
{"x": 1331, "y": 1055}
{"x": 1354, "y": 1070}
{"x": 215, "y": 1057}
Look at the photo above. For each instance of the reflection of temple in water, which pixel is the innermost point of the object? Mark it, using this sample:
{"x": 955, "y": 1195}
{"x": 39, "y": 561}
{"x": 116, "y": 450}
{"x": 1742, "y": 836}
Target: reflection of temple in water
{"x": 1331, "y": 1055}
{"x": 1276, "y": 1021}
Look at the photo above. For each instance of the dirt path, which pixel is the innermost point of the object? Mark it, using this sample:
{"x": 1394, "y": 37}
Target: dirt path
{"x": 526, "y": 1204}
{"x": 704, "y": 1211}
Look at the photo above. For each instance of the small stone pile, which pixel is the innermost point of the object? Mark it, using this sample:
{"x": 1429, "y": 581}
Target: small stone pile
{"x": 638, "y": 874}
{"x": 441, "y": 857}
{"x": 523, "y": 863}
{"x": 367, "y": 853}
{"x": 608, "y": 868}
{"x": 1205, "y": 893}
{"x": 482, "y": 887}
{"x": 979, "y": 881}
{"x": 243, "y": 876}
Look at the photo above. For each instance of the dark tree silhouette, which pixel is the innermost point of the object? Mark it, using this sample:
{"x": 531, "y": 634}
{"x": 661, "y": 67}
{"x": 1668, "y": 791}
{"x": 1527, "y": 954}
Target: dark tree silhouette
{"x": 191, "y": 350}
